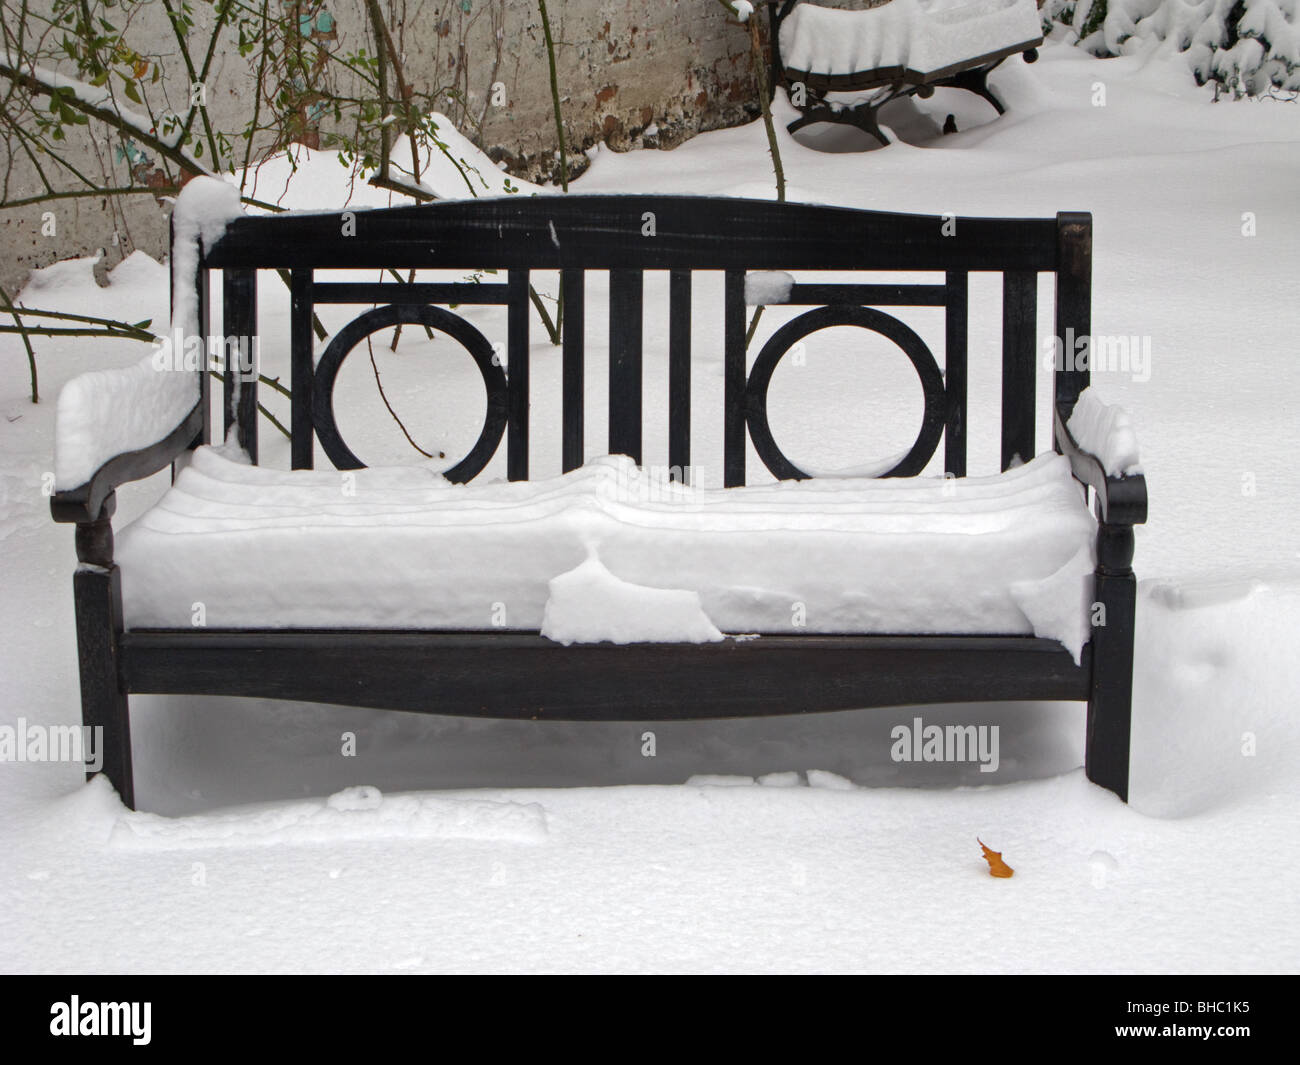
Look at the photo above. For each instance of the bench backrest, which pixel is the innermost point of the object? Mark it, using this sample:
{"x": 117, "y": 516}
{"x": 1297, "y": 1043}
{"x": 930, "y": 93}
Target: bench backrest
{"x": 628, "y": 235}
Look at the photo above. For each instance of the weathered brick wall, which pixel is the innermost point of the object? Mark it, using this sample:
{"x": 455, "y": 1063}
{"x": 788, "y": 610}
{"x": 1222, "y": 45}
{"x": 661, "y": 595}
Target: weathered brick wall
{"x": 676, "y": 67}
{"x": 624, "y": 65}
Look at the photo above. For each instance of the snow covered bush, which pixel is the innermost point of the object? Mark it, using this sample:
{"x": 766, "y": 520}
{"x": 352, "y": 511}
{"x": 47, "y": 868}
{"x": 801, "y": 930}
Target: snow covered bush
{"x": 1248, "y": 46}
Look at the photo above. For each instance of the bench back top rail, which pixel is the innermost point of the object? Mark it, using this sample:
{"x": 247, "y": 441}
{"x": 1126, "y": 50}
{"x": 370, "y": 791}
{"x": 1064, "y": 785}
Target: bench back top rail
{"x": 628, "y": 235}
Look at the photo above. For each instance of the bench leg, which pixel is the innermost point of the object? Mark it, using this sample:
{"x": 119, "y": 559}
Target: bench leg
{"x": 862, "y": 116}
{"x": 976, "y": 81}
{"x": 97, "y": 592}
{"x": 1111, "y": 701}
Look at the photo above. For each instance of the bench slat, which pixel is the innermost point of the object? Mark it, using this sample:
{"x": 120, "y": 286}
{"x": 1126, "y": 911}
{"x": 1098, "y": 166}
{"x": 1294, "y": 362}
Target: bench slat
{"x": 524, "y": 675}
{"x": 301, "y": 370}
{"x": 203, "y": 297}
{"x": 625, "y": 327}
{"x": 818, "y": 295}
{"x": 734, "y": 375}
{"x": 609, "y": 232}
{"x": 1019, "y": 370}
{"x": 574, "y": 283}
{"x": 239, "y": 321}
{"x": 1073, "y": 304}
{"x": 954, "y": 361}
{"x": 679, "y": 373}
{"x": 517, "y": 379}
{"x": 416, "y": 292}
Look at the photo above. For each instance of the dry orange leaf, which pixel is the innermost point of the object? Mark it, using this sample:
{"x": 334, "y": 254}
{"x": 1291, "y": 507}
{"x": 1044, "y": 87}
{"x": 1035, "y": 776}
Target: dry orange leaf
{"x": 997, "y": 867}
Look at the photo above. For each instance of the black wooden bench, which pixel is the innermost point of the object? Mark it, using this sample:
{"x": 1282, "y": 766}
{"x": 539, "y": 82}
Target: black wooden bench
{"x": 513, "y": 674}
{"x": 883, "y": 83}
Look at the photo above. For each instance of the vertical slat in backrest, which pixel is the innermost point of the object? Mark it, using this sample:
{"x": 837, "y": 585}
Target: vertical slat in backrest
{"x": 679, "y": 374}
{"x": 573, "y": 283}
{"x": 734, "y": 430}
{"x": 954, "y": 361}
{"x": 239, "y": 324}
{"x": 302, "y": 367}
{"x": 626, "y": 288}
{"x": 1073, "y": 305}
{"x": 201, "y": 282}
{"x": 517, "y": 365}
{"x": 1019, "y": 368}
{"x": 203, "y": 307}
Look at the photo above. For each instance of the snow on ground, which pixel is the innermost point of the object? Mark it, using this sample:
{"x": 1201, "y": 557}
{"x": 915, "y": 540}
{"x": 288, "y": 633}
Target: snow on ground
{"x": 520, "y": 862}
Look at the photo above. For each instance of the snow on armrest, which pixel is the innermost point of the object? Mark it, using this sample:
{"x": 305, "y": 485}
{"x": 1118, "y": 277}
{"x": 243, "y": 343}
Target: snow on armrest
{"x": 1105, "y": 431}
{"x": 107, "y": 413}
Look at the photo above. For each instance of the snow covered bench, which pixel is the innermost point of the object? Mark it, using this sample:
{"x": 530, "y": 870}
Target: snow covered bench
{"x": 623, "y": 598}
{"x": 895, "y": 49}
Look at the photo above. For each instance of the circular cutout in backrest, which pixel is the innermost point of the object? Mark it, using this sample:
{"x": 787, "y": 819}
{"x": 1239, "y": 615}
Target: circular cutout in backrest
{"x": 792, "y": 333}
{"x": 372, "y": 321}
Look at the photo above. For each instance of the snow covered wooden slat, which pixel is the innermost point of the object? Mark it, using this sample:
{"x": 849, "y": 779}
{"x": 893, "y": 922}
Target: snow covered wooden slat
{"x": 410, "y": 550}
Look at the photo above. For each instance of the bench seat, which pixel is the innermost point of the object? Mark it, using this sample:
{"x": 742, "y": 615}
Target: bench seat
{"x": 396, "y": 548}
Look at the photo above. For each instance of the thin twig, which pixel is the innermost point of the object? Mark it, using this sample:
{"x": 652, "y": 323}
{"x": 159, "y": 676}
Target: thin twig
{"x": 551, "y": 329}
{"x": 27, "y": 343}
{"x": 555, "y": 96}
{"x": 753, "y": 324}
{"x": 106, "y": 115}
{"x": 50, "y": 331}
{"x": 382, "y": 395}
{"x": 275, "y": 421}
{"x": 139, "y": 329}
{"x": 76, "y": 194}
{"x": 216, "y": 375}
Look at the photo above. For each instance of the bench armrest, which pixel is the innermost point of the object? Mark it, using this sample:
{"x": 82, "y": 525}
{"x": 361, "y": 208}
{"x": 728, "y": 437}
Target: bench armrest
{"x": 115, "y": 426}
{"x": 1121, "y": 500}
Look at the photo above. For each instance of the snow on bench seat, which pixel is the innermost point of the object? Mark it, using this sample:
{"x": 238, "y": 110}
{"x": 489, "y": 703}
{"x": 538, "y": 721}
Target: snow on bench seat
{"x": 922, "y": 37}
{"x": 401, "y": 547}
